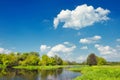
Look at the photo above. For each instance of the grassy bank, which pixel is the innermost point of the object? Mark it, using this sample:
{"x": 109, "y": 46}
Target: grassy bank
{"x": 98, "y": 73}
{"x": 39, "y": 67}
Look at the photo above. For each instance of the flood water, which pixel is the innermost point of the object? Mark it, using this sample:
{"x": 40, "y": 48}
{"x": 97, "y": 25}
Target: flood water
{"x": 58, "y": 74}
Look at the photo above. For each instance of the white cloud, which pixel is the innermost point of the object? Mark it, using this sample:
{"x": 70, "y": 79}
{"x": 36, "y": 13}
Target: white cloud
{"x": 82, "y": 16}
{"x": 66, "y": 43}
{"x": 81, "y": 58}
{"x": 60, "y": 48}
{"x": 44, "y": 48}
{"x": 90, "y": 39}
{"x": 108, "y": 52}
{"x": 84, "y": 47}
{"x": 118, "y": 40}
{"x": 5, "y": 51}
{"x": 118, "y": 47}
{"x": 105, "y": 49}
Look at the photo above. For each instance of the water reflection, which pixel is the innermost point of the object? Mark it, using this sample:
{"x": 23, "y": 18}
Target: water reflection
{"x": 49, "y": 74}
{"x": 58, "y": 74}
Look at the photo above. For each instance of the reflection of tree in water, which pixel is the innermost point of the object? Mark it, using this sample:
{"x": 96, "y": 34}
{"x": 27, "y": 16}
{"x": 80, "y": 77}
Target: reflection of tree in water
{"x": 44, "y": 74}
{"x": 5, "y": 74}
{"x": 12, "y": 74}
{"x": 28, "y": 75}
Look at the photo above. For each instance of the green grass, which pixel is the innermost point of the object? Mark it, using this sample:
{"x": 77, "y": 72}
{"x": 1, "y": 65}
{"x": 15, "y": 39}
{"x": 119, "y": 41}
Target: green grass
{"x": 38, "y": 67}
{"x": 98, "y": 73}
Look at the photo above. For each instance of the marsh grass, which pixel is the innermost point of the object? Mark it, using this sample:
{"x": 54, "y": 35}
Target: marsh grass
{"x": 98, "y": 73}
{"x": 38, "y": 67}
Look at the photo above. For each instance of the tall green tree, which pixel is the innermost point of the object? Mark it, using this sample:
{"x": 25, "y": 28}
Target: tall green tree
{"x": 45, "y": 60}
{"x": 31, "y": 59}
{"x": 101, "y": 61}
{"x": 52, "y": 61}
{"x": 92, "y": 59}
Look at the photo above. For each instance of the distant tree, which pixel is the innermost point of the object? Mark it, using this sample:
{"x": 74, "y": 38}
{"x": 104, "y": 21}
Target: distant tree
{"x": 92, "y": 59}
{"x": 52, "y": 61}
{"x": 34, "y": 53}
{"x": 65, "y": 62}
{"x": 101, "y": 61}
{"x": 58, "y": 60}
{"x": 31, "y": 59}
{"x": 23, "y": 56}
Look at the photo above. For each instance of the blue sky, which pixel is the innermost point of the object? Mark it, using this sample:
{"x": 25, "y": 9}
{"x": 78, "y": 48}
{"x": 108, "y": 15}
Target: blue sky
{"x": 29, "y": 25}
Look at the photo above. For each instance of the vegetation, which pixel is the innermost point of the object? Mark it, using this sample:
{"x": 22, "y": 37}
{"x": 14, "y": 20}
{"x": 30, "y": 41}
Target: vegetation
{"x": 94, "y": 68}
{"x": 98, "y": 72}
{"x": 101, "y": 61}
{"x": 92, "y": 59}
{"x": 28, "y": 60}
{"x": 39, "y": 67}
{"x": 102, "y": 71}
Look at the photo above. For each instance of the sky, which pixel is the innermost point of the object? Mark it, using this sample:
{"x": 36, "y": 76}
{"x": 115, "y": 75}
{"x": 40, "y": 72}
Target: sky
{"x": 71, "y": 29}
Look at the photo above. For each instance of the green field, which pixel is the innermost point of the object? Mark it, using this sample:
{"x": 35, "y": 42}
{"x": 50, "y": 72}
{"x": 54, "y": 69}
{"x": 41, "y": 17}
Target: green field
{"x": 98, "y": 72}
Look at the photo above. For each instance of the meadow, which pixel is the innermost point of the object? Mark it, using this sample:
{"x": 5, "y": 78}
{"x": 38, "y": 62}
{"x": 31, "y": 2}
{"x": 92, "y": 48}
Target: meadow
{"x": 98, "y": 72}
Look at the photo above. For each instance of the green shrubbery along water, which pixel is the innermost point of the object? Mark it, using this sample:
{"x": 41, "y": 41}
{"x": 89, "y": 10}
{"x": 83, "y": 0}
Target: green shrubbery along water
{"x": 98, "y": 73}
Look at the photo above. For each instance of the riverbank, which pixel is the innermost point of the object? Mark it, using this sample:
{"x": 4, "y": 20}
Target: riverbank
{"x": 39, "y": 67}
{"x": 98, "y": 72}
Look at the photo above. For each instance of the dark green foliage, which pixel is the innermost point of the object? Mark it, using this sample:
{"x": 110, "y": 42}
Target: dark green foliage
{"x": 92, "y": 59}
{"x": 58, "y": 60}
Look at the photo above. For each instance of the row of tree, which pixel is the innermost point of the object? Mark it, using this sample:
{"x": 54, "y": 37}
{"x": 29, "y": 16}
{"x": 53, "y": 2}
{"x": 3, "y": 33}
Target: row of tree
{"x": 31, "y": 58}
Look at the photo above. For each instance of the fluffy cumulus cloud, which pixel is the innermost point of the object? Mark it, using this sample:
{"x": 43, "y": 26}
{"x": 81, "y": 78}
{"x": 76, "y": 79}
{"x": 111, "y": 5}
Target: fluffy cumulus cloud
{"x": 81, "y": 58}
{"x": 90, "y": 39}
{"x": 58, "y": 49}
{"x": 82, "y": 16}
{"x": 44, "y": 48}
{"x": 61, "y": 48}
{"x": 105, "y": 49}
{"x": 5, "y": 51}
{"x": 84, "y": 47}
{"x": 108, "y": 52}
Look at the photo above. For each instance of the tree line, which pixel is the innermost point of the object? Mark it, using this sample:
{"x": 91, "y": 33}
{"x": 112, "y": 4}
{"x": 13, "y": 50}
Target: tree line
{"x": 31, "y": 58}
{"x": 34, "y": 59}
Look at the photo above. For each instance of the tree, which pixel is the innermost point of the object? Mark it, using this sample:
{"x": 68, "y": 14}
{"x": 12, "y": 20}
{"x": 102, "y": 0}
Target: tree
{"x": 8, "y": 60}
{"x": 45, "y": 60}
{"x": 58, "y": 60}
{"x": 52, "y": 61}
{"x": 92, "y": 59}
{"x": 31, "y": 59}
{"x": 101, "y": 61}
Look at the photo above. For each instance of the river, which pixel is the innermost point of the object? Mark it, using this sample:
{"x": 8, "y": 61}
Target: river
{"x": 58, "y": 74}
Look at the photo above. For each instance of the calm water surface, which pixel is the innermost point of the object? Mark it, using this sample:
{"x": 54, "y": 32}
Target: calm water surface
{"x": 58, "y": 74}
